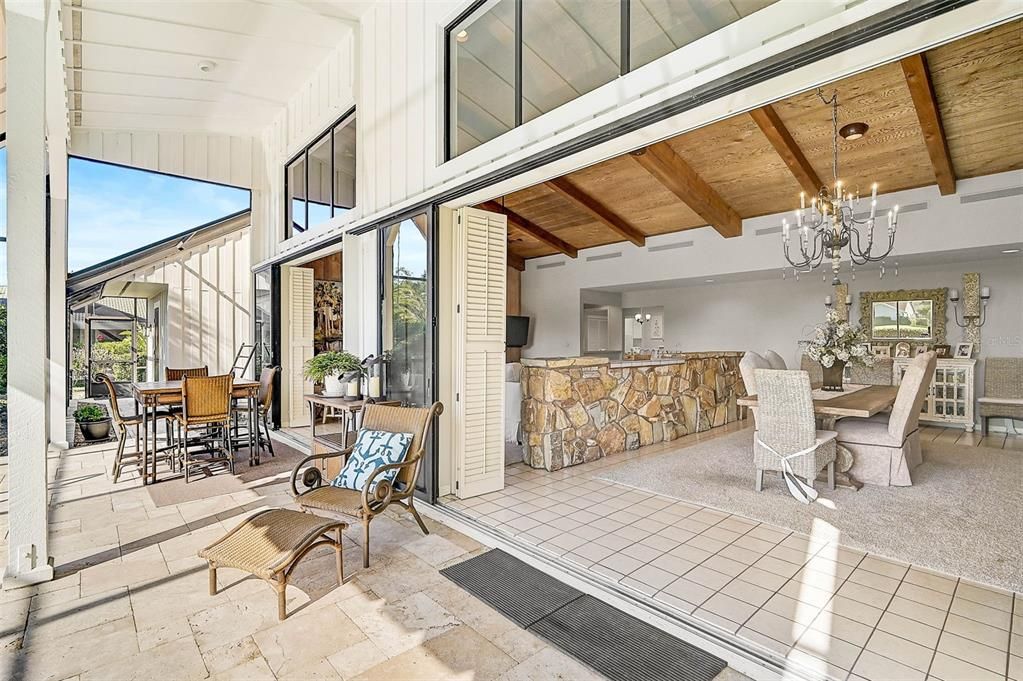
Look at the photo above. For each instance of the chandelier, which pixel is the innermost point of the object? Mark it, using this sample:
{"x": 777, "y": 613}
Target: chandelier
{"x": 831, "y": 224}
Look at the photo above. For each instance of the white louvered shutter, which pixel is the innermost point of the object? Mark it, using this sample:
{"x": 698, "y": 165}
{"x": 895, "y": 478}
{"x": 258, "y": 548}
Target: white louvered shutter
{"x": 482, "y": 240}
{"x": 300, "y": 341}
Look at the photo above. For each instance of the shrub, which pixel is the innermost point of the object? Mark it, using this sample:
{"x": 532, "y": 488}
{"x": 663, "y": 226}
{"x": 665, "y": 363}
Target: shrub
{"x": 88, "y": 413}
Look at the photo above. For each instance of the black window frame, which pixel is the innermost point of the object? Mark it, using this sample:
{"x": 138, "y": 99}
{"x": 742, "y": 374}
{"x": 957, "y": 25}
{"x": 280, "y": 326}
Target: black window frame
{"x": 289, "y": 226}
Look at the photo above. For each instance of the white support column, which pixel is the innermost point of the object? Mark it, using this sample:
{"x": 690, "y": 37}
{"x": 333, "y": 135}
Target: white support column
{"x": 26, "y": 255}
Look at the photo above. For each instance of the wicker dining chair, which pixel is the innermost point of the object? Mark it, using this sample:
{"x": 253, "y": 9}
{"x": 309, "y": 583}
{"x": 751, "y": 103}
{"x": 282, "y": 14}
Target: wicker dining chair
{"x": 1003, "y": 391}
{"x": 180, "y": 374}
{"x": 813, "y": 369}
{"x": 376, "y": 495}
{"x": 205, "y": 404}
{"x": 122, "y": 423}
{"x": 750, "y": 362}
{"x": 878, "y": 374}
{"x": 775, "y": 360}
{"x": 786, "y": 425}
{"x": 264, "y": 405}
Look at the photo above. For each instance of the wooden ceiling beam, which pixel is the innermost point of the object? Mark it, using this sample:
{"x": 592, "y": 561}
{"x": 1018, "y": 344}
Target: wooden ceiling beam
{"x": 584, "y": 201}
{"x": 778, "y": 135}
{"x": 918, "y": 78}
{"x": 516, "y": 261}
{"x": 531, "y": 228}
{"x": 668, "y": 168}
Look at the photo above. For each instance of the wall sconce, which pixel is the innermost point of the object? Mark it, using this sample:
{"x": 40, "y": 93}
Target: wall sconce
{"x": 977, "y": 320}
{"x": 828, "y": 303}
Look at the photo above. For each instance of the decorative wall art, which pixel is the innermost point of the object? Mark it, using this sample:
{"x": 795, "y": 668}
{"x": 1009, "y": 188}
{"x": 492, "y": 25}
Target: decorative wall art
{"x": 327, "y": 314}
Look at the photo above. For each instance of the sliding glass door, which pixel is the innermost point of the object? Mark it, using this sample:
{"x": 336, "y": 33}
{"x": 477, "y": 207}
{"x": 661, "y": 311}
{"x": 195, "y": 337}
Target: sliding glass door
{"x": 406, "y": 321}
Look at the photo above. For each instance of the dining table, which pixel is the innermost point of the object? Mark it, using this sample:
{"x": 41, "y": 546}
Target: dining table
{"x": 861, "y": 401}
{"x": 151, "y": 395}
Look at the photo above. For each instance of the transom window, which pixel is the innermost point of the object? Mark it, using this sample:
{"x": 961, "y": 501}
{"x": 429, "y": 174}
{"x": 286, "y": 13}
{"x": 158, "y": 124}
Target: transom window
{"x": 320, "y": 179}
{"x": 509, "y": 61}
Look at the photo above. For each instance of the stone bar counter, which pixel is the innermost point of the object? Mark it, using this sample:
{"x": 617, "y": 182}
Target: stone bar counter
{"x": 579, "y": 409}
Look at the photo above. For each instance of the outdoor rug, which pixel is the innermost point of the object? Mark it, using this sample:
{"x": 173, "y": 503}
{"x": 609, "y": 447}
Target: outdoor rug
{"x": 963, "y": 515}
{"x": 618, "y": 645}
{"x": 170, "y": 488}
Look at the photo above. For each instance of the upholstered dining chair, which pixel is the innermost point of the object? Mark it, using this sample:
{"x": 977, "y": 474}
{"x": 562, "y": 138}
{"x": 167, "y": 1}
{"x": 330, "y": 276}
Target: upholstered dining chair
{"x": 813, "y": 369}
{"x": 775, "y": 360}
{"x": 886, "y": 450}
{"x": 122, "y": 423}
{"x": 378, "y": 491}
{"x": 748, "y": 365}
{"x": 205, "y": 404}
{"x": 787, "y": 438}
{"x": 878, "y": 374}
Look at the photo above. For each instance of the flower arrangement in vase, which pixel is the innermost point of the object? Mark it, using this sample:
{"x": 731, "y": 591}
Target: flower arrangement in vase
{"x": 834, "y": 344}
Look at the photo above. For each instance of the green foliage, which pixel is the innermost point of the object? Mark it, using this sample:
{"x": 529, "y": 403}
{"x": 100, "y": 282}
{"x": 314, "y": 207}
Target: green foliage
{"x": 3, "y": 349}
{"x": 89, "y": 413}
{"x": 332, "y": 363}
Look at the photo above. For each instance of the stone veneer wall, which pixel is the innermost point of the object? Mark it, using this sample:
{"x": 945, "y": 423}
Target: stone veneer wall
{"x": 581, "y": 409}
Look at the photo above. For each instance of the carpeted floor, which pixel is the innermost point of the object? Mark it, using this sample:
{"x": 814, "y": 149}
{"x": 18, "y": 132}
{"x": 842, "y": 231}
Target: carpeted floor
{"x": 171, "y": 489}
{"x": 963, "y": 515}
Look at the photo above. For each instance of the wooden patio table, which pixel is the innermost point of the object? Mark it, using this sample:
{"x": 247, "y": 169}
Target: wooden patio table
{"x": 151, "y": 395}
{"x": 349, "y": 409}
{"x": 863, "y": 403}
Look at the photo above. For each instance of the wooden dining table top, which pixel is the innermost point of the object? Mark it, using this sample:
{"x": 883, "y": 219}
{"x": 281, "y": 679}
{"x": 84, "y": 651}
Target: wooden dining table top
{"x": 170, "y": 390}
{"x": 863, "y": 403}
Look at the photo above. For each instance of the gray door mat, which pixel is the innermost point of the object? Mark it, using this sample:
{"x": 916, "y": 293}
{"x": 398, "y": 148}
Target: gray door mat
{"x": 616, "y": 644}
{"x": 518, "y": 591}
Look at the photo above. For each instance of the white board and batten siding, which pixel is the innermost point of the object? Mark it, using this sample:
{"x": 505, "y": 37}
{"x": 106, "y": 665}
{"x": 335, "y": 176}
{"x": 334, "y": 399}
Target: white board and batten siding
{"x": 298, "y": 292}
{"x": 480, "y": 239}
{"x": 208, "y": 302}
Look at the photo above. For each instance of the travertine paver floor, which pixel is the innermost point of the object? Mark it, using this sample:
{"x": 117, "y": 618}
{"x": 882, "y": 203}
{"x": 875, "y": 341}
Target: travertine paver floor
{"x": 130, "y": 600}
{"x": 809, "y": 599}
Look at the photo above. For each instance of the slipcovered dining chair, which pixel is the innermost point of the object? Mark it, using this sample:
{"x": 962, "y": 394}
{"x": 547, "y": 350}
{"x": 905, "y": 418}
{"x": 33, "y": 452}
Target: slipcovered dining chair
{"x": 813, "y": 369}
{"x": 748, "y": 365}
{"x": 122, "y": 422}
{"x": 787, "y": 439}
{"x": 886, "y": 450}
{"x": 775, "y": 360}
{"x": 878, "y": 374}
{"x": 205, "y": 404}
{"x": 382, "y": 484}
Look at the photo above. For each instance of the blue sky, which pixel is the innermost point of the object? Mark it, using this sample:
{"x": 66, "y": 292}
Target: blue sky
{"x": 114, "y": 210}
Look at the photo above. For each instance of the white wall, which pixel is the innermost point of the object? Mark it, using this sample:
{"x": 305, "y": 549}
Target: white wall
{"x": 208, "y": 302}
{"x": 551, "y": 295}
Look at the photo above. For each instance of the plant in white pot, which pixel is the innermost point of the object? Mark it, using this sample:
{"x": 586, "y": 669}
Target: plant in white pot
{"x": 328, "y": 368}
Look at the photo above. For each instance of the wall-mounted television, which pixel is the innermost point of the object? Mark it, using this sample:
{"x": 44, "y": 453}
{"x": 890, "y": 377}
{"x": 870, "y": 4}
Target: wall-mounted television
{"x": 516, "y": 331}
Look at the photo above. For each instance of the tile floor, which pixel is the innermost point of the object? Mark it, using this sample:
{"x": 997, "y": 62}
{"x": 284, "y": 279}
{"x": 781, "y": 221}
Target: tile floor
{"x": 820, "y": 605}
{"x": 130, "y": 599}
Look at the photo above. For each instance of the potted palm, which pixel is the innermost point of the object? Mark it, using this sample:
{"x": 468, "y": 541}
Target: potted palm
{"x": 834, "y": 344}
{"x": 328, "y": 368}
{"x": 93, "y": 421}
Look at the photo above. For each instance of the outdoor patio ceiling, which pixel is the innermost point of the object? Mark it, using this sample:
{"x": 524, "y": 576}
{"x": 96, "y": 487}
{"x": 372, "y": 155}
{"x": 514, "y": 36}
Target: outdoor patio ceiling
{"x": 756, "y": 163}
{"x": 202, "y": 66}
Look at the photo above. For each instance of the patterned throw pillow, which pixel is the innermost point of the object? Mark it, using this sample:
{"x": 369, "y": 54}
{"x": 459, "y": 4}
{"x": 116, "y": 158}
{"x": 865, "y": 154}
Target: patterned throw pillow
{"x": 372, "y": 449}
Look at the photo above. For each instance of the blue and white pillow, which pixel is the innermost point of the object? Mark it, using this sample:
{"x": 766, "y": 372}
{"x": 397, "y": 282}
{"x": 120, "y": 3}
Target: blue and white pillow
{"x": 372, "y": 449}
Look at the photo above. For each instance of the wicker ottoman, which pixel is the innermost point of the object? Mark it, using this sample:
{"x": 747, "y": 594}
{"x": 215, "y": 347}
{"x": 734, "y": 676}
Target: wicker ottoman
{"x": 270, "y": 544}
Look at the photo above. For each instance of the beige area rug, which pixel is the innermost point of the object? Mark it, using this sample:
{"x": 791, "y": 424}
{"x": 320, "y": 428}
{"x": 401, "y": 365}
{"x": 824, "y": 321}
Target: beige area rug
{"x": 963, "y": 515}
{"x": 171, "y": 489}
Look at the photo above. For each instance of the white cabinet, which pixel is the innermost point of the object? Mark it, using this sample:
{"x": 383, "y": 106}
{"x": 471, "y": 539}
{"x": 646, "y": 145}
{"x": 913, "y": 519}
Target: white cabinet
{"x": 950, "y": 398}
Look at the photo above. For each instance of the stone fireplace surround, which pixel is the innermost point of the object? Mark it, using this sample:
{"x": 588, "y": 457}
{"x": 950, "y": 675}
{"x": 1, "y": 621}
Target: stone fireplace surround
{"x": 580, "y": 409}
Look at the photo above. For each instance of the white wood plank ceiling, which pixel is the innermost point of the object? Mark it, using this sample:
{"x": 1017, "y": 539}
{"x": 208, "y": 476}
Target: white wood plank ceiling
{"x": 147, "y": 65}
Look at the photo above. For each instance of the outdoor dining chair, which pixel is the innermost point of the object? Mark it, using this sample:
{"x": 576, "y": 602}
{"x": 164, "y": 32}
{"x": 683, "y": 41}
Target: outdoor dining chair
{"x": 122, "y": 422}
{"x": 205, "y": 405}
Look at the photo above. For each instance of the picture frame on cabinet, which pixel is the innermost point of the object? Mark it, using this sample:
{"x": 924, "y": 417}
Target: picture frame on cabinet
{"x": 919, "y": 350}
{"x": 964, "y": 350}
{"x": 882, "y": 350}
{"x": 943, "y": 351}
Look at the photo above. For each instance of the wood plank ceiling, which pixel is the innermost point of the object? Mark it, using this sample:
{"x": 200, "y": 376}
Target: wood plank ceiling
{"x": 953, "y": 112}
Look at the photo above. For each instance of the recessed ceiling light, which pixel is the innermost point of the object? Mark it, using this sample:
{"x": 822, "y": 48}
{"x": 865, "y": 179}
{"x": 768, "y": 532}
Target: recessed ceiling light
{"x": 1011, "y": 250}
{"x": 709, "y": 281}
{"x": 462, "y": 36}
{"x": 207, "y": 66}
{"x": 853, "y": 131}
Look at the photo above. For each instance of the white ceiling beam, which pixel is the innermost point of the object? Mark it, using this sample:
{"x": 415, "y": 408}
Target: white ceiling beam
{"x": 158, "y": 50}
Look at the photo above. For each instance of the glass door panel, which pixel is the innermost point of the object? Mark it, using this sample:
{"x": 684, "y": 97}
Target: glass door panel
{"x": 405, "y": 312}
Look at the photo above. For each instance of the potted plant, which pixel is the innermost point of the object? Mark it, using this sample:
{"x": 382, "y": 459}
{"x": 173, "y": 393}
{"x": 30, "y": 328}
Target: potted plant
{"x": 834, "y": 344}
{"x": 93, "y": 421}
{"x": 328, "y": 368}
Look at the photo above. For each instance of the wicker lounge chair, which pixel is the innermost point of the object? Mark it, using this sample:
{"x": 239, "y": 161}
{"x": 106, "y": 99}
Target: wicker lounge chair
{"x": 376, "y": 496}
